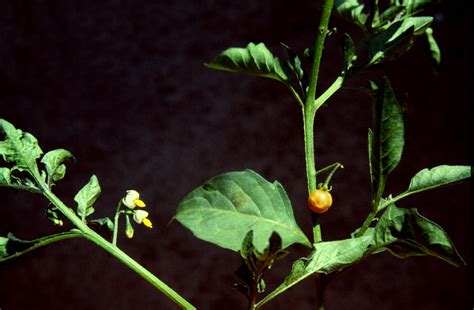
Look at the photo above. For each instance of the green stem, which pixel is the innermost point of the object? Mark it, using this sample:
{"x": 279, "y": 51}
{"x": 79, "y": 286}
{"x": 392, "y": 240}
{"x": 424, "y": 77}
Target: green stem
{"x": 112, "y": 249}
{"x": 40, "y": 242}
{"x": 116, "y": 220}
{"x": 310, "y": 108}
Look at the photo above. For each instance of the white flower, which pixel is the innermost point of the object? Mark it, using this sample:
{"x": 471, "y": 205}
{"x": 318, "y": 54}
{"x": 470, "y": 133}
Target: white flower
{"x": 132, "y": 200}
{"x": 141, "y": 217}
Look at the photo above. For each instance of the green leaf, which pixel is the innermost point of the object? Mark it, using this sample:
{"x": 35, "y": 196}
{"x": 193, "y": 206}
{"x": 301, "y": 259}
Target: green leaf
{"x": 253, "y": 59}
{"x": 405, "y": 233}
{"x": 86, "y": 197}
{"x": 348, "y": 52}
{"x": 294, "y": 63}
{"x": 327, "y": 257}
{"x": 5, "y": 178}
{"x": 226, "y": 207}
{"x": 434, "y": 48}
{"x": 436, "y": 177}
{"x": 19, "y": 148}
{"x": 397, "y": 39}
{"x": 352, "y": 10}
{"x": 391, "y": 14}
{"x": 53, "y": 161}
{"x": 387, "y": 141}
{"x": 11, "y": 246}
{"x": 416, "y": 6}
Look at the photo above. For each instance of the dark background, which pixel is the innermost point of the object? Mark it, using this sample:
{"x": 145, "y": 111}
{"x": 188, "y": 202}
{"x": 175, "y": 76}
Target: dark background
{"x": 122, "y": 85}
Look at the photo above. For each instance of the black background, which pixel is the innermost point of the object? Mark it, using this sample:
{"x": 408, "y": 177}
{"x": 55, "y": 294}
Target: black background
{"x": 122, "y": 85}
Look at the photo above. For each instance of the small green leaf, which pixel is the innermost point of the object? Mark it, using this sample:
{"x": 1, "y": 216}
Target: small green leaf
{"x": 53, "y": 161}
{"x": 386, "y": 141}
{"x": 86, "y": 197}
{"x": 11, "y": 246}
{"x": 348, "y": 52}
{"x": 5, "y": 178}
{"x": 294, "y": 63}
{"x": 434, "y": 48}
{"x": 352, "y": 10}
{"x": 416, "y": 6}
{"x": 226, "y": 207}
{"x": 19, "y": 148}
{"x": 327, "y": 257}
{"x": 397, "y": 39}
{"x": 253, "y": 59}
{"x": 405, "y": 233}
{"x": 103, "y": 222}
{"x": 391, "y": 14}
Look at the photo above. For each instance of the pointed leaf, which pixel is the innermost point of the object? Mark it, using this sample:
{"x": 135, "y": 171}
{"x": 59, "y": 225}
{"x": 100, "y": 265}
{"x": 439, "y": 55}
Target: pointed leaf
{"x": 435, "y": 177}
{"x": 53, "y": 161}
{"x": 405, "y": 233}
{"x": 226, "y": 207}
{"x": 19, "y": 148}
{"x": 294, "y": 63}
{"x": 253, "y": 59}
{"x": 387, "y": 140}
{"x": 86, "y": 197}
{"x": 327, "y": 257}
{"x": 11, "y": 246}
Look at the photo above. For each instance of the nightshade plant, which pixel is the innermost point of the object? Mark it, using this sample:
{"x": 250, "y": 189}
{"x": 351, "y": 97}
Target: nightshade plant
{"x": 242, "y": 211}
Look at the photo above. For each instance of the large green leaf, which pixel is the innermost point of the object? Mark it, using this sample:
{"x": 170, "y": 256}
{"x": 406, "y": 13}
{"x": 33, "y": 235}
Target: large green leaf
{"x": 11, "y": 246}
{"x": 19, "y": 148}
{"x": 405, "y": 233}
{"x": 253, "y": 59}
{"x": 327, "y": 257}
{"x": 226, "y": 207}
{"x": 53, "y": 161}
{"x": 86, "y": 197}
{"x": 386, "y": 140}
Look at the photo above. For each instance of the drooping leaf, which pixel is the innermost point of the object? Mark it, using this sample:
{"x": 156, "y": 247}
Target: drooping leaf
{"x": 397, "y": 39}
{"x": 226, "y": 207}
{"x": 405, "y": 233}
{"x": 387, "y": 139}
{"x": 433, "y": 45}
{"x": 352, "y": 10}
{"x": 53, "y": 161}
{"x": 254, "y": 59}
{"x": 86, "y": 197}
{"x": 436, "y": 177}
{"x": 327, "y": 257}
{"x": 19, "y": 148}
{"x": 348, "y": 52}
{"x": 11, "y": 246}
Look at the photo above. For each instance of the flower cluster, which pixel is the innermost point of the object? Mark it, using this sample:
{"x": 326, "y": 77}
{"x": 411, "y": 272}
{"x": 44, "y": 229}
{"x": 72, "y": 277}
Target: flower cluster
{"x": 131, "y": 201}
